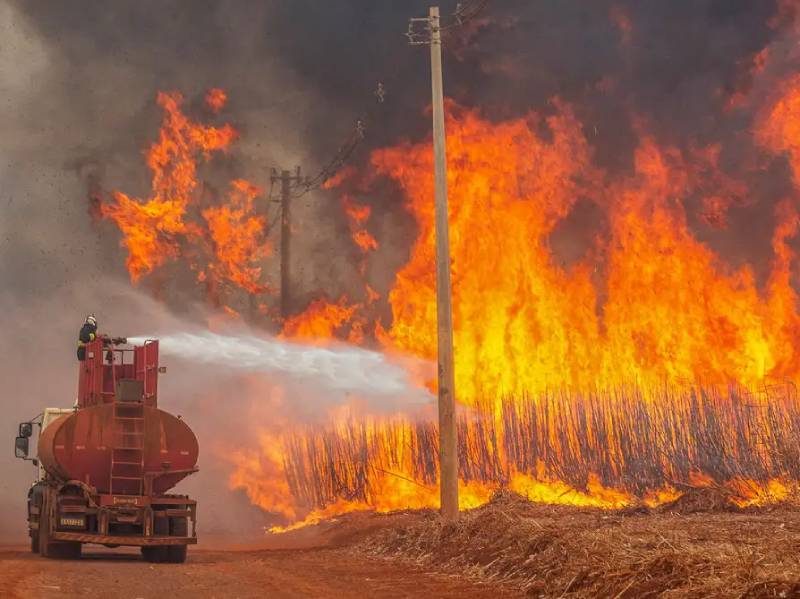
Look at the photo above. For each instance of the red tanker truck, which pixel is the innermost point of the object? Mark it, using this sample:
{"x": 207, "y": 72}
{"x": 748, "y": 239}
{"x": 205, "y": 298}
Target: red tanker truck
{"x": 106, "y": 465}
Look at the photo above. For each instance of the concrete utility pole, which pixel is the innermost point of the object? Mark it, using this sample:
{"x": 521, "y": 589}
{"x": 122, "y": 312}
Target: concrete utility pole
{"x": 448, "y": 442}
{"x": 286, "y": 179}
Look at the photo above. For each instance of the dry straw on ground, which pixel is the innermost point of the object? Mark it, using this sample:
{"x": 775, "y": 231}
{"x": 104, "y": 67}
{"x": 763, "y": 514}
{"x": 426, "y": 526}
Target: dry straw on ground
{"x": 561, "y": 551}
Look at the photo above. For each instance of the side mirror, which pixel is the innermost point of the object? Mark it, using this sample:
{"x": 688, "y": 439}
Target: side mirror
{"x": 21, "y": 447}
{"x": 162, "y": 369}
{"x": 26, "y": 429}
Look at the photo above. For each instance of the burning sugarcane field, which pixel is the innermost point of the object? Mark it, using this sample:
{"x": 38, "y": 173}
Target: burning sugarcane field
{"x": 493, "y": 298}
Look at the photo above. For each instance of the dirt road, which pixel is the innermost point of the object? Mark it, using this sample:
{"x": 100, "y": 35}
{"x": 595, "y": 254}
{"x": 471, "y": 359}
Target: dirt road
{"x": 293, "y": 573}
{"x": 319, "y": 561}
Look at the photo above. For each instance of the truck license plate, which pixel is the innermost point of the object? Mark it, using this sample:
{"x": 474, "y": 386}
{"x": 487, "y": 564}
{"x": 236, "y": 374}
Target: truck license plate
{"x": 72, "y": 522}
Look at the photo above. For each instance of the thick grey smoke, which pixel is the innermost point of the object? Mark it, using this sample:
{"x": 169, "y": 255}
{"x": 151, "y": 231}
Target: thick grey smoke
{"x": 93, "y": 112}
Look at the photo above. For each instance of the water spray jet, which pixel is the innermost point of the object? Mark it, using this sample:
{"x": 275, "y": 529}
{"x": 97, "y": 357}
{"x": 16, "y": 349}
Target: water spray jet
{"x": 339, "y": 367}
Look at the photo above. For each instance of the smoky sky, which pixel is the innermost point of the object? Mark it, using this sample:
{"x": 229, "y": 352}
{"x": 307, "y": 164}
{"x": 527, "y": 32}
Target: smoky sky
{"x": 299, "y": 74}
{"x": 681, "y": 58}
{"x": 520, "y": 53}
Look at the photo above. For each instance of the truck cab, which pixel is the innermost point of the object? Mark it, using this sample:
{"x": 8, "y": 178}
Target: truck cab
{"x": 22, "y": 451}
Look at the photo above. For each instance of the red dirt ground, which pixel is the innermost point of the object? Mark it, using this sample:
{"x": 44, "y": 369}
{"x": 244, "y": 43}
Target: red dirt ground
{"x": 313, "y": 562}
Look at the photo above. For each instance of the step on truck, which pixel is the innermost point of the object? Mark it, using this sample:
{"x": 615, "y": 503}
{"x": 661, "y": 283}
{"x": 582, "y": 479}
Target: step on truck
{"x": 106, "y": 465}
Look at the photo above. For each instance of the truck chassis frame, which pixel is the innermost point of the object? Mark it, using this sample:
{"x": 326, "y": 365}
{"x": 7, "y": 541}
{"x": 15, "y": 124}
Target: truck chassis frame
{"x": 64, "y": 516}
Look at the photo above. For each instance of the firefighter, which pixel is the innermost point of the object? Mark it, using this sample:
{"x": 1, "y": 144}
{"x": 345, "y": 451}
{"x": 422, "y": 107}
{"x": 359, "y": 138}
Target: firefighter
{"x": 88, "y": 334}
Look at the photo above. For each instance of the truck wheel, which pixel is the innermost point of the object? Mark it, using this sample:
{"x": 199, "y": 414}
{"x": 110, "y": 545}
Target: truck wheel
{"x": 179, "y": 527}
{"x": 34, "y": 500}
{"x": 68, "y": 550}
{"x": 154, "y": 555}
{"x": 157, "y": 555}
{"x": 43, "y": 537}
{"x": 53, "y": 549}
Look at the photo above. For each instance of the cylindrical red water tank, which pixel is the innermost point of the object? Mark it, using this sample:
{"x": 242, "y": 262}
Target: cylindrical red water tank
{"x": 80, "y": 446}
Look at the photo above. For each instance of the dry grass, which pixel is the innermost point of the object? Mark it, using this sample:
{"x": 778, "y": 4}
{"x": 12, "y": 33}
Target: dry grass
{"x": 560, "y": 551}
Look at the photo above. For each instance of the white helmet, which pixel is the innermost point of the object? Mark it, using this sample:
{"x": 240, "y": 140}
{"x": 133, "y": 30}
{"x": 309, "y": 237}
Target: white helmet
{"x": 91, "y": 320}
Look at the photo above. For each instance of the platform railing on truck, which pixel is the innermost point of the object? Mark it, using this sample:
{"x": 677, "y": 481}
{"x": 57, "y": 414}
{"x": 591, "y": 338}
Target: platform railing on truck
{"x": 106, "y": 364}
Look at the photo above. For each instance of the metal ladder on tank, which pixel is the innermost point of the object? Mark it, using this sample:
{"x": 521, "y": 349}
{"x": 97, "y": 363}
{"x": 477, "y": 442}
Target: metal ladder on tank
{"x": 127, "y": 453}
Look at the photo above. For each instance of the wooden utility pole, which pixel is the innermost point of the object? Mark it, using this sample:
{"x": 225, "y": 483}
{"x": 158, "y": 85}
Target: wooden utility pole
{"x": 286, "y": 179}
{"x": 448, "y": 442}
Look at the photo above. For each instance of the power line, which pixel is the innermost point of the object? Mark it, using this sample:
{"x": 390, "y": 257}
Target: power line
{"x": 464, "y": 13}
{"x": 293, "y": 186}
{"x": 346, "y": 150}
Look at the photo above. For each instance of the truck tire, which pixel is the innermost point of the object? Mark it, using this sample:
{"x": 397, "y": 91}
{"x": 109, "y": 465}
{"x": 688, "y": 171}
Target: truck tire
{"x": 179, "y": 527}
{"x": 43, "y": 541}
{"x": 157, "y": 555}
{"x": 54, "y": 549}
{"x": 67, "y": 550}
{"x": 34, "y": 500}
{"x": 154, "y": 555}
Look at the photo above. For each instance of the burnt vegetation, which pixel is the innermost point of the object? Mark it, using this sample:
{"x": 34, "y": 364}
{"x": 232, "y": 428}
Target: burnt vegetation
{"x": 731, "y": 439}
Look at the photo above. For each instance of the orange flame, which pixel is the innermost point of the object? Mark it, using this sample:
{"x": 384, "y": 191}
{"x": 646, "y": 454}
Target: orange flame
{"x": 622, "y": 21}
{"x": 344, "y": 174}
{"x": 649, "y": 304}
{"x": 260, "y": 475}
{"x": 216, "y": 99}
{"x": 236, "y": 233}
{"x": 390, "y": 478}
{"x": 522, "y": 322}
{"x": 646, "y": 304}
{"x": 160, "y": 228}
{"x": 151, "y": 227}
{"x": 357, "y": 216}
{"x": 779, "y": 130}
{"x": 320, "y": 321}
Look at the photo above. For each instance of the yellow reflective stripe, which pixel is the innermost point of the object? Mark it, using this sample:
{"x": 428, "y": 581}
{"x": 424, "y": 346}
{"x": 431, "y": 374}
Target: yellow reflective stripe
{"x": 92, "y": 336}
